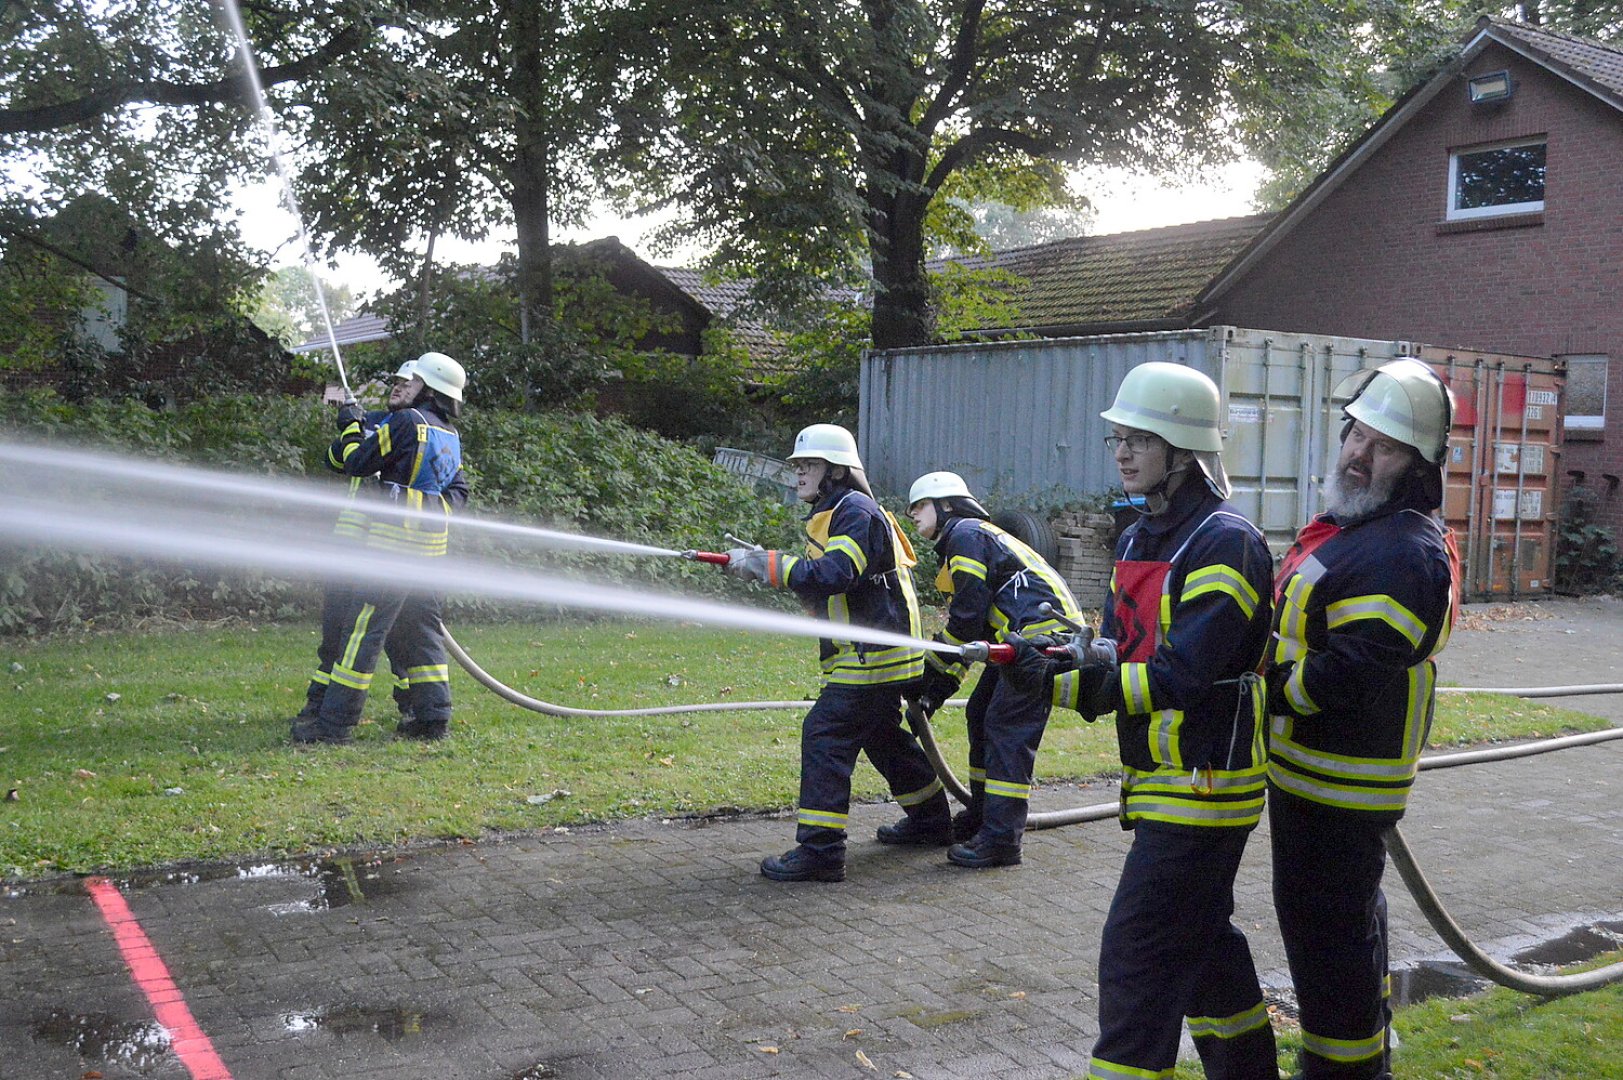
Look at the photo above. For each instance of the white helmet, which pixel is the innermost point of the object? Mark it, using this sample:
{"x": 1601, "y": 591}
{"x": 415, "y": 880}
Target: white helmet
{"x": 1175, "y": 402}
{"x": 438, "y": 372}
{"x": 1181, "y": 405}
{"x": 938, "y": 485}
{"x": 827, "y": 442}
{"x": 1406, "y": 401}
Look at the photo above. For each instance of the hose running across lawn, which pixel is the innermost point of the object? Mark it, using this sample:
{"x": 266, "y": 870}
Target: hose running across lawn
{"x": 1402, "y": 857}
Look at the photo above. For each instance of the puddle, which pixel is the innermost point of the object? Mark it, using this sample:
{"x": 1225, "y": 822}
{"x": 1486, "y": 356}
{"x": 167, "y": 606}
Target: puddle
{"x": 143, "y": 1047}
{"x": 1414, "y": 983}
{"x": 391, "y": 1022}
{"x": 338, "y": 882}
{"x": 341, "y": 882}
{"x": 1576, "y": 945}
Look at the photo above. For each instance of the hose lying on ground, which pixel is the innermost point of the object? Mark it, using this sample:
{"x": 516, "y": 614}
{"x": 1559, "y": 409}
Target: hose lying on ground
{"x": 1430, "y": 904}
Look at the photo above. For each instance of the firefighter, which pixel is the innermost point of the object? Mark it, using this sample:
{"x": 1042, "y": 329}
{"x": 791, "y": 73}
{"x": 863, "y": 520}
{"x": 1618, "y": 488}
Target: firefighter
{"x": 1363, "y": 602}
{"x": 1188, "y": 616}
{"x": 417, "y": 455}
{"x": 997, "y": 585}
{"x": 856, "y": 571}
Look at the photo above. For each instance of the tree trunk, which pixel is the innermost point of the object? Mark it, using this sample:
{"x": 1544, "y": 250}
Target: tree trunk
{"x": 902, "y": 314}
{"x": 533, "y": 30}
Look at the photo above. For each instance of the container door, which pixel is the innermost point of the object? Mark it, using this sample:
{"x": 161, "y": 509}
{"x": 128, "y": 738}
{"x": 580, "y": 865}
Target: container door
{"x": 1500, "y": 495}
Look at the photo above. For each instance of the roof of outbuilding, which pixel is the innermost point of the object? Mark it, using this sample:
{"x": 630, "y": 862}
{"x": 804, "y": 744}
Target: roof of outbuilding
{"x": 351, "y": 331}
{"x": 1135, "y": 279}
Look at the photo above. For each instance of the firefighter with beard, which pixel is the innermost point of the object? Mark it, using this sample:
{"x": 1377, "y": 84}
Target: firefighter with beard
{"x": 416, "y": 454}
{"x": 1364, "y": 601}
{"x": 997, "y": 585}
{"x": 856, "y": 571}
{"x": 1185, "y": 627}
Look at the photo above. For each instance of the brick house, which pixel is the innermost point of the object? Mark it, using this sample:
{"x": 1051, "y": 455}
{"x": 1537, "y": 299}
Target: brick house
{"x": 1485, "y": 211}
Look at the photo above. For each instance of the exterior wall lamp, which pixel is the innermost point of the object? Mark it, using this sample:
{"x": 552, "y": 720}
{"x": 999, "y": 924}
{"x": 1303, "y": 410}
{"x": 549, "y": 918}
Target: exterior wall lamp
{"x": 1494, "y": 88}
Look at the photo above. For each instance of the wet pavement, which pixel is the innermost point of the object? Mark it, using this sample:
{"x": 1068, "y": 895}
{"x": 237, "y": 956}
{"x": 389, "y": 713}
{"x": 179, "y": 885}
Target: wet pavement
{"x": 654, "y": 949}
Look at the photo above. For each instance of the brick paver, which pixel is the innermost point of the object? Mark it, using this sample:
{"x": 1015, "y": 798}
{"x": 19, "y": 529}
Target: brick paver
{"x": 654, "y": 949}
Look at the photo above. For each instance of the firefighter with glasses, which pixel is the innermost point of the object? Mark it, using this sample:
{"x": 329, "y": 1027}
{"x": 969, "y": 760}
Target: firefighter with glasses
{"x": 1363, "y": 603}
{"x": 1188, "y": 613}
{"x": 856, "y": 571}
{"x": 416, "y": 454}
{"x": 998, "y": 586}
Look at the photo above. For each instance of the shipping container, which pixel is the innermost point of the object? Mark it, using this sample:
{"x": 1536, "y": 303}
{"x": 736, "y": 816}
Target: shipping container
{"x": 1020, "y": 421}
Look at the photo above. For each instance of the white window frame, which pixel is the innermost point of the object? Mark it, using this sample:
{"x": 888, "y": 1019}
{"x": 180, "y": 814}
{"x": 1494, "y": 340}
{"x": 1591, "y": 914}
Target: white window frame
{"x": 1457, "y": 214}
{"x": 1589, "y": 421}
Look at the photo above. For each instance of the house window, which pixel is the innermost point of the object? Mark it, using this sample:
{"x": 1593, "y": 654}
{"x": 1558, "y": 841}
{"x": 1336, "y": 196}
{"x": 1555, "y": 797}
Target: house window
{"x": 1586, "y": 391}
{"x": 1503, "y": 179}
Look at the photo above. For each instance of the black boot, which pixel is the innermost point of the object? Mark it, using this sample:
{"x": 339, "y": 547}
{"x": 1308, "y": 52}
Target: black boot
{"x": 308, "y": 732}
{"x": 803, "y": 864}
{"x": 918, "y": 832}
{"x": 412, "y": 728}
{"x": 982, "y": 851}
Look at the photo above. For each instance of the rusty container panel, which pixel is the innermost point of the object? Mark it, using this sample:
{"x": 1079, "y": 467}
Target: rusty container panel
{"x": 1501, "y": 496}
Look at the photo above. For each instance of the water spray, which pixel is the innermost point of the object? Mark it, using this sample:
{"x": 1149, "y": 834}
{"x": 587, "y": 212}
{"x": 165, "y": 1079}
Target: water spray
{"x": 267, "y": 123}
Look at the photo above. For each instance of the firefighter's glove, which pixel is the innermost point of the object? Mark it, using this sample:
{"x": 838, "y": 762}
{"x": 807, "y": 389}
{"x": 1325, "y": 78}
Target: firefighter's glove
{"x": 1032, "y": 668}
{"x": 1098, "y": 678}
{"x": 756, "y": 564}
{"x": 1276, "y": 678}
{"x": 939, "y": 685}
{"x": 350, "y": 413}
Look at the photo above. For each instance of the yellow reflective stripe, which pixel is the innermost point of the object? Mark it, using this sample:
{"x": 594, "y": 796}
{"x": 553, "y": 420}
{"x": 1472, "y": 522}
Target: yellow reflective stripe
{"x": 417, "y": 458}
{"x": 1135, "y": 689}
{"x": 402, "y": 683}
{"x": 822, "y": 819}
{"x": 922, "y": 795}
{"x": 1009, "y": 789}
{"x": 1067, "y": 689}
{"x": 1229, "y": 1027}
{"x": 839, "y": 611}
{"x": 852, "y": 550}
{"x": 429, "y": 673}
{"x": 1223, "y": 798}
{"x": 1417, "y": 713}
{"x": 355, "y": 680}
{"x": 845, "y": 671}
{"x": 1340, "y": 766}
{"x": 1221, "y": 579}
{"x": 1342, "y": 796}
{"x": 786, "y": 563}
{"x": 320, "y": 678}
{"x": 1379, "y": 607}
{"x": 1344, "y": 1050}
{"x": 977, "y": 775}
{"x": 1165, "y": 744}
{"x": 1100, "y": 1069}
{"x": 362, "y": 620}
{"x": 385, "y": 442}
{"x": 1296, "y": 692}
{"x": 963, "y": 564}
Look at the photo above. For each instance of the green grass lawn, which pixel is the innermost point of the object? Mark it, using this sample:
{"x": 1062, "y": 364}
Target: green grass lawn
{"x": 139, "y": 749}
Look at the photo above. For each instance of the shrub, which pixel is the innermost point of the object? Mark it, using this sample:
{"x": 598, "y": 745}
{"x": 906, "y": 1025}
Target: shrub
{"x": 1586, "y": 555}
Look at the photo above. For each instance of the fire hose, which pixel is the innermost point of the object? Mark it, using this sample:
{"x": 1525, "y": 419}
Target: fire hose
{"x": 1426, "y": 898}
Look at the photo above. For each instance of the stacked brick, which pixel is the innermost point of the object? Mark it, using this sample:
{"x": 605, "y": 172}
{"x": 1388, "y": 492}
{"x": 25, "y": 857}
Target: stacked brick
{"x": 1084, "y": 540}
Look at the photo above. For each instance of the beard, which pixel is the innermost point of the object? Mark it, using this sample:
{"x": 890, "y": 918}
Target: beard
{"x": 1349, "y": 501}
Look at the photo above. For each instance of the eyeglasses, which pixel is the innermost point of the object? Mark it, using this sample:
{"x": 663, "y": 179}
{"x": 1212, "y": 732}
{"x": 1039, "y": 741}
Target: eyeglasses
{"x": 1137, "y": 442}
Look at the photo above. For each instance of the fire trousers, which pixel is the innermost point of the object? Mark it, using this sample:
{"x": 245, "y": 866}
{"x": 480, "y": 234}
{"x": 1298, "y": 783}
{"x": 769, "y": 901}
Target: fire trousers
{"x": 846, "y": 720}
{"x": 410, "y": 625}
{"x": 1005, "y": 728}
{"x": 1332, "y": 914}
{"x": 335, "y": 626}
{"x": 1170, "y": 951}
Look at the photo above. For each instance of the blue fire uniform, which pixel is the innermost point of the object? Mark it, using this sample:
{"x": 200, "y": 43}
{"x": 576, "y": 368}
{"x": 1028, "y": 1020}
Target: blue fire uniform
{"x": 417, "y": 458}
{"x": 997, "y": 585}
{"x": 1360, "y": 612}
{"x": 856, "y": 572}
{"x": 1189, "y": 610}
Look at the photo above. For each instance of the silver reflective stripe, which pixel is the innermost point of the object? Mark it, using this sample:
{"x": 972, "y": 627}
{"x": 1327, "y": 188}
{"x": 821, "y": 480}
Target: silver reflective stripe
{"x": 1337, "y": 795}
{"x": 1344, "y": 767}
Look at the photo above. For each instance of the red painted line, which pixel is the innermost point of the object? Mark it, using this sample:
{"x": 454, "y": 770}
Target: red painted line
{"x": 186, "y": 1039}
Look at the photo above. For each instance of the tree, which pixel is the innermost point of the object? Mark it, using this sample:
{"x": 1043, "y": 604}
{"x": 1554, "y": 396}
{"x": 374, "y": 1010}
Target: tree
{"x": 816, "y": 136}
{"x": 477, "y": 115}
{"x": 290, "y": 309}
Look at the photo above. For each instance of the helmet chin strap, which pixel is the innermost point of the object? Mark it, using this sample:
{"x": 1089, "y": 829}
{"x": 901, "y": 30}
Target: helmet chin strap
{"x": 1157, "y": 499}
